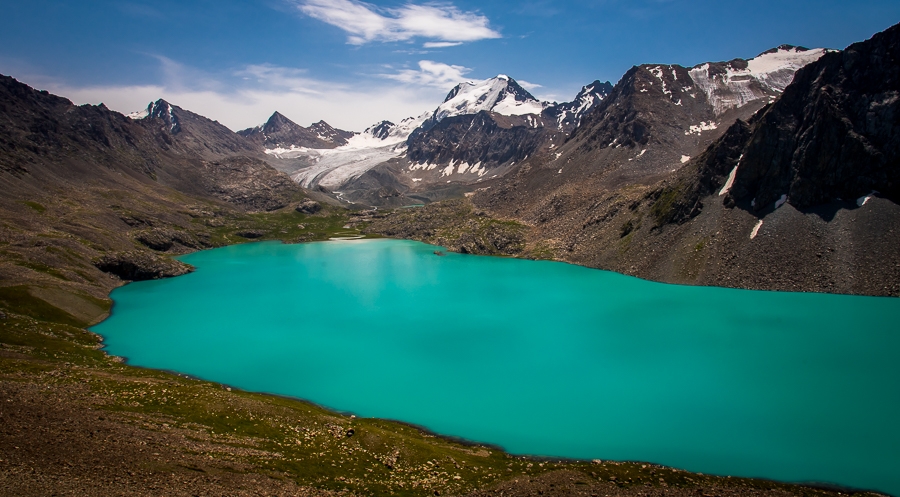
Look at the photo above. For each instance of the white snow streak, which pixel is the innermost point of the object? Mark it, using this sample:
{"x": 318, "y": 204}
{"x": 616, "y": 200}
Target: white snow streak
{"x": 729, "y": 182}
{"x": 781, "y": 201}
{"x": 756, "y": 229}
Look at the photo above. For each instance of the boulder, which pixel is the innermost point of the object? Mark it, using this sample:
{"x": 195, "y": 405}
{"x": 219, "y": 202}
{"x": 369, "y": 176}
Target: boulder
{"x": 136, "y": 265}
{"x": 251, "y": 234}
{"x": 309, "y": 207}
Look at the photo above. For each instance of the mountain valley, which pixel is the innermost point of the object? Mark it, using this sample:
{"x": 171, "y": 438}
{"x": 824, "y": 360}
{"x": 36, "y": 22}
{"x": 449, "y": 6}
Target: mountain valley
{"x": 780, "y": 172}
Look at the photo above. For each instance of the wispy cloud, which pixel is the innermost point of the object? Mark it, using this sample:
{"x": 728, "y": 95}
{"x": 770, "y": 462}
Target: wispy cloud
{"x": 273, "y": 77}
{"x": 366, "y": 23}
{"x": 247, "y": 96}
{"x": 430, "y": 73}
{"x": 441, "y": 44}
{"x": 528, "y": 86}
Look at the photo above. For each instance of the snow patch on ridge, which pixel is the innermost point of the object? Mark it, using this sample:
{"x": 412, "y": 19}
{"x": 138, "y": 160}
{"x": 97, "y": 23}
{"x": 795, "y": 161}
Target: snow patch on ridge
{"x": 700, "y": 128}
{"x": 493, "y": 94}
{"x": 735, "y": 87}
{"x": 729, "y": 182}
{"x": 756, "y": 229}
{"x": 139, "y": 114}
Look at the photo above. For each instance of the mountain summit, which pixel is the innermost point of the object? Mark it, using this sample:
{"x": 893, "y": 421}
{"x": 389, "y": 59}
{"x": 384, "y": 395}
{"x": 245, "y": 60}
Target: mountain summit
{"x": 279, "y": 132}
{"x": 500, "y": 94}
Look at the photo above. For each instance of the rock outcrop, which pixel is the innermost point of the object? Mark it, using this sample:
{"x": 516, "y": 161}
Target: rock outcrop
{"x": 136, "y": 265}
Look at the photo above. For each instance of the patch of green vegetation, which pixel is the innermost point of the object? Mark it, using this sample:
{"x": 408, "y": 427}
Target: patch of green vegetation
{"x": 542, "y": 251}
{"x": 52, "y": 341}
{"x": 43, "y": 268}
{"x": 701, "y": 244}
{"x": 663, "y": 209}
{"x": 18, "y": 299}
{"x": 625, "y": 243}
{"x": 36, "y": 206}
{"x": 630, "y": 226}
{"x": 286, "y": 225}
{"x": 456, "y": 225}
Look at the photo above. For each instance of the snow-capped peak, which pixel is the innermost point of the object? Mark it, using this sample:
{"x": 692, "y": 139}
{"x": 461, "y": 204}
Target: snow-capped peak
{"x": 387, "y": 133}
{"x": 568, "y": 114}
{"x": 731, "y": 84}
{"x": 140, "y": 114}
{"x": 776, "y": 67}
{"x": 500, "y": 94}
{"x": 159, "y": 110}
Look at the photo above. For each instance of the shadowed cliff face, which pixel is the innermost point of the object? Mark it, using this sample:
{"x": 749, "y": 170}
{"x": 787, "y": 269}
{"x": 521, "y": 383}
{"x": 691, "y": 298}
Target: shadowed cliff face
{"x": 486, "y": 138}
{"x": 835, "y": 133}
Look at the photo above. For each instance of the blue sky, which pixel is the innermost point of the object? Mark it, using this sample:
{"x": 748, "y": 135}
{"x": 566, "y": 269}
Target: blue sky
{"x": 354, "y": 63}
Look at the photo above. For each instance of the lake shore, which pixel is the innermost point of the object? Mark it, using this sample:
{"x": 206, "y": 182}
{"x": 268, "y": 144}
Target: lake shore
{"x": 76, "y": 421}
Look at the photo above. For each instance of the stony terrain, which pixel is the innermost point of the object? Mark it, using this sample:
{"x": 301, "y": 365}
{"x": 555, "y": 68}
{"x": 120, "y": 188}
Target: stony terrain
{"x": 453, "y": 224}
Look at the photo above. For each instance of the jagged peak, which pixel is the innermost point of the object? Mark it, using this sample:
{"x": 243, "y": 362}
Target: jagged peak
{"x": 321, "y": 124}
{"x": 500, "y": 94}
{"x": 596, "y": 87}
{"x": 277, "y": 118}
{"x": 160, "y": 109}
{"x": 784, "y": 48}
{"x": 277, "y": 122}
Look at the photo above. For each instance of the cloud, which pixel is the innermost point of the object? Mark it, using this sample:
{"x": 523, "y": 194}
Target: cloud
{"x": 430, "y": 73}
{"x": 247, "y": 96}
{"x": 528, "y": 86}
{"x": 269, "y": 76}
{"x": 442, "y": 44}
{"x": 366, "y": 23}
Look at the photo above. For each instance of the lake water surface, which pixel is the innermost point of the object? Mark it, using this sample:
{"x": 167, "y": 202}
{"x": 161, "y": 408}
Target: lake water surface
{"x": 540, "y": 358}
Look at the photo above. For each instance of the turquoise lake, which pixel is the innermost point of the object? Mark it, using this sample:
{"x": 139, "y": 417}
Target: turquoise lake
{"x": 540, "y": 358}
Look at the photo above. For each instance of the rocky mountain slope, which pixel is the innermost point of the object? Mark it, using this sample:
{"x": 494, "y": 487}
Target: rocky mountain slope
{"x": 782, "y": 199}
{"x": 187, "y": 133}
{"x": 96, "y": 192}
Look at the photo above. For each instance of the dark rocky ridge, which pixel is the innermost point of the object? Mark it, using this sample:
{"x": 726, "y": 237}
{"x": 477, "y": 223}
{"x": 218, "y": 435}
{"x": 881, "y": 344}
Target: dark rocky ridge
{"x": 140, "y": 266}
{"x": 568, "y": 115}
{"x": 486, "y": 137}
{"x": 281, "y": 132}
{"x": 193, "y": 133}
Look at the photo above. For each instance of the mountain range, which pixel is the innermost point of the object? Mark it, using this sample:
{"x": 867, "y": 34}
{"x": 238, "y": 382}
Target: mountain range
{"x": 608, "y": 179}
{"x": 483, "y": 129}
